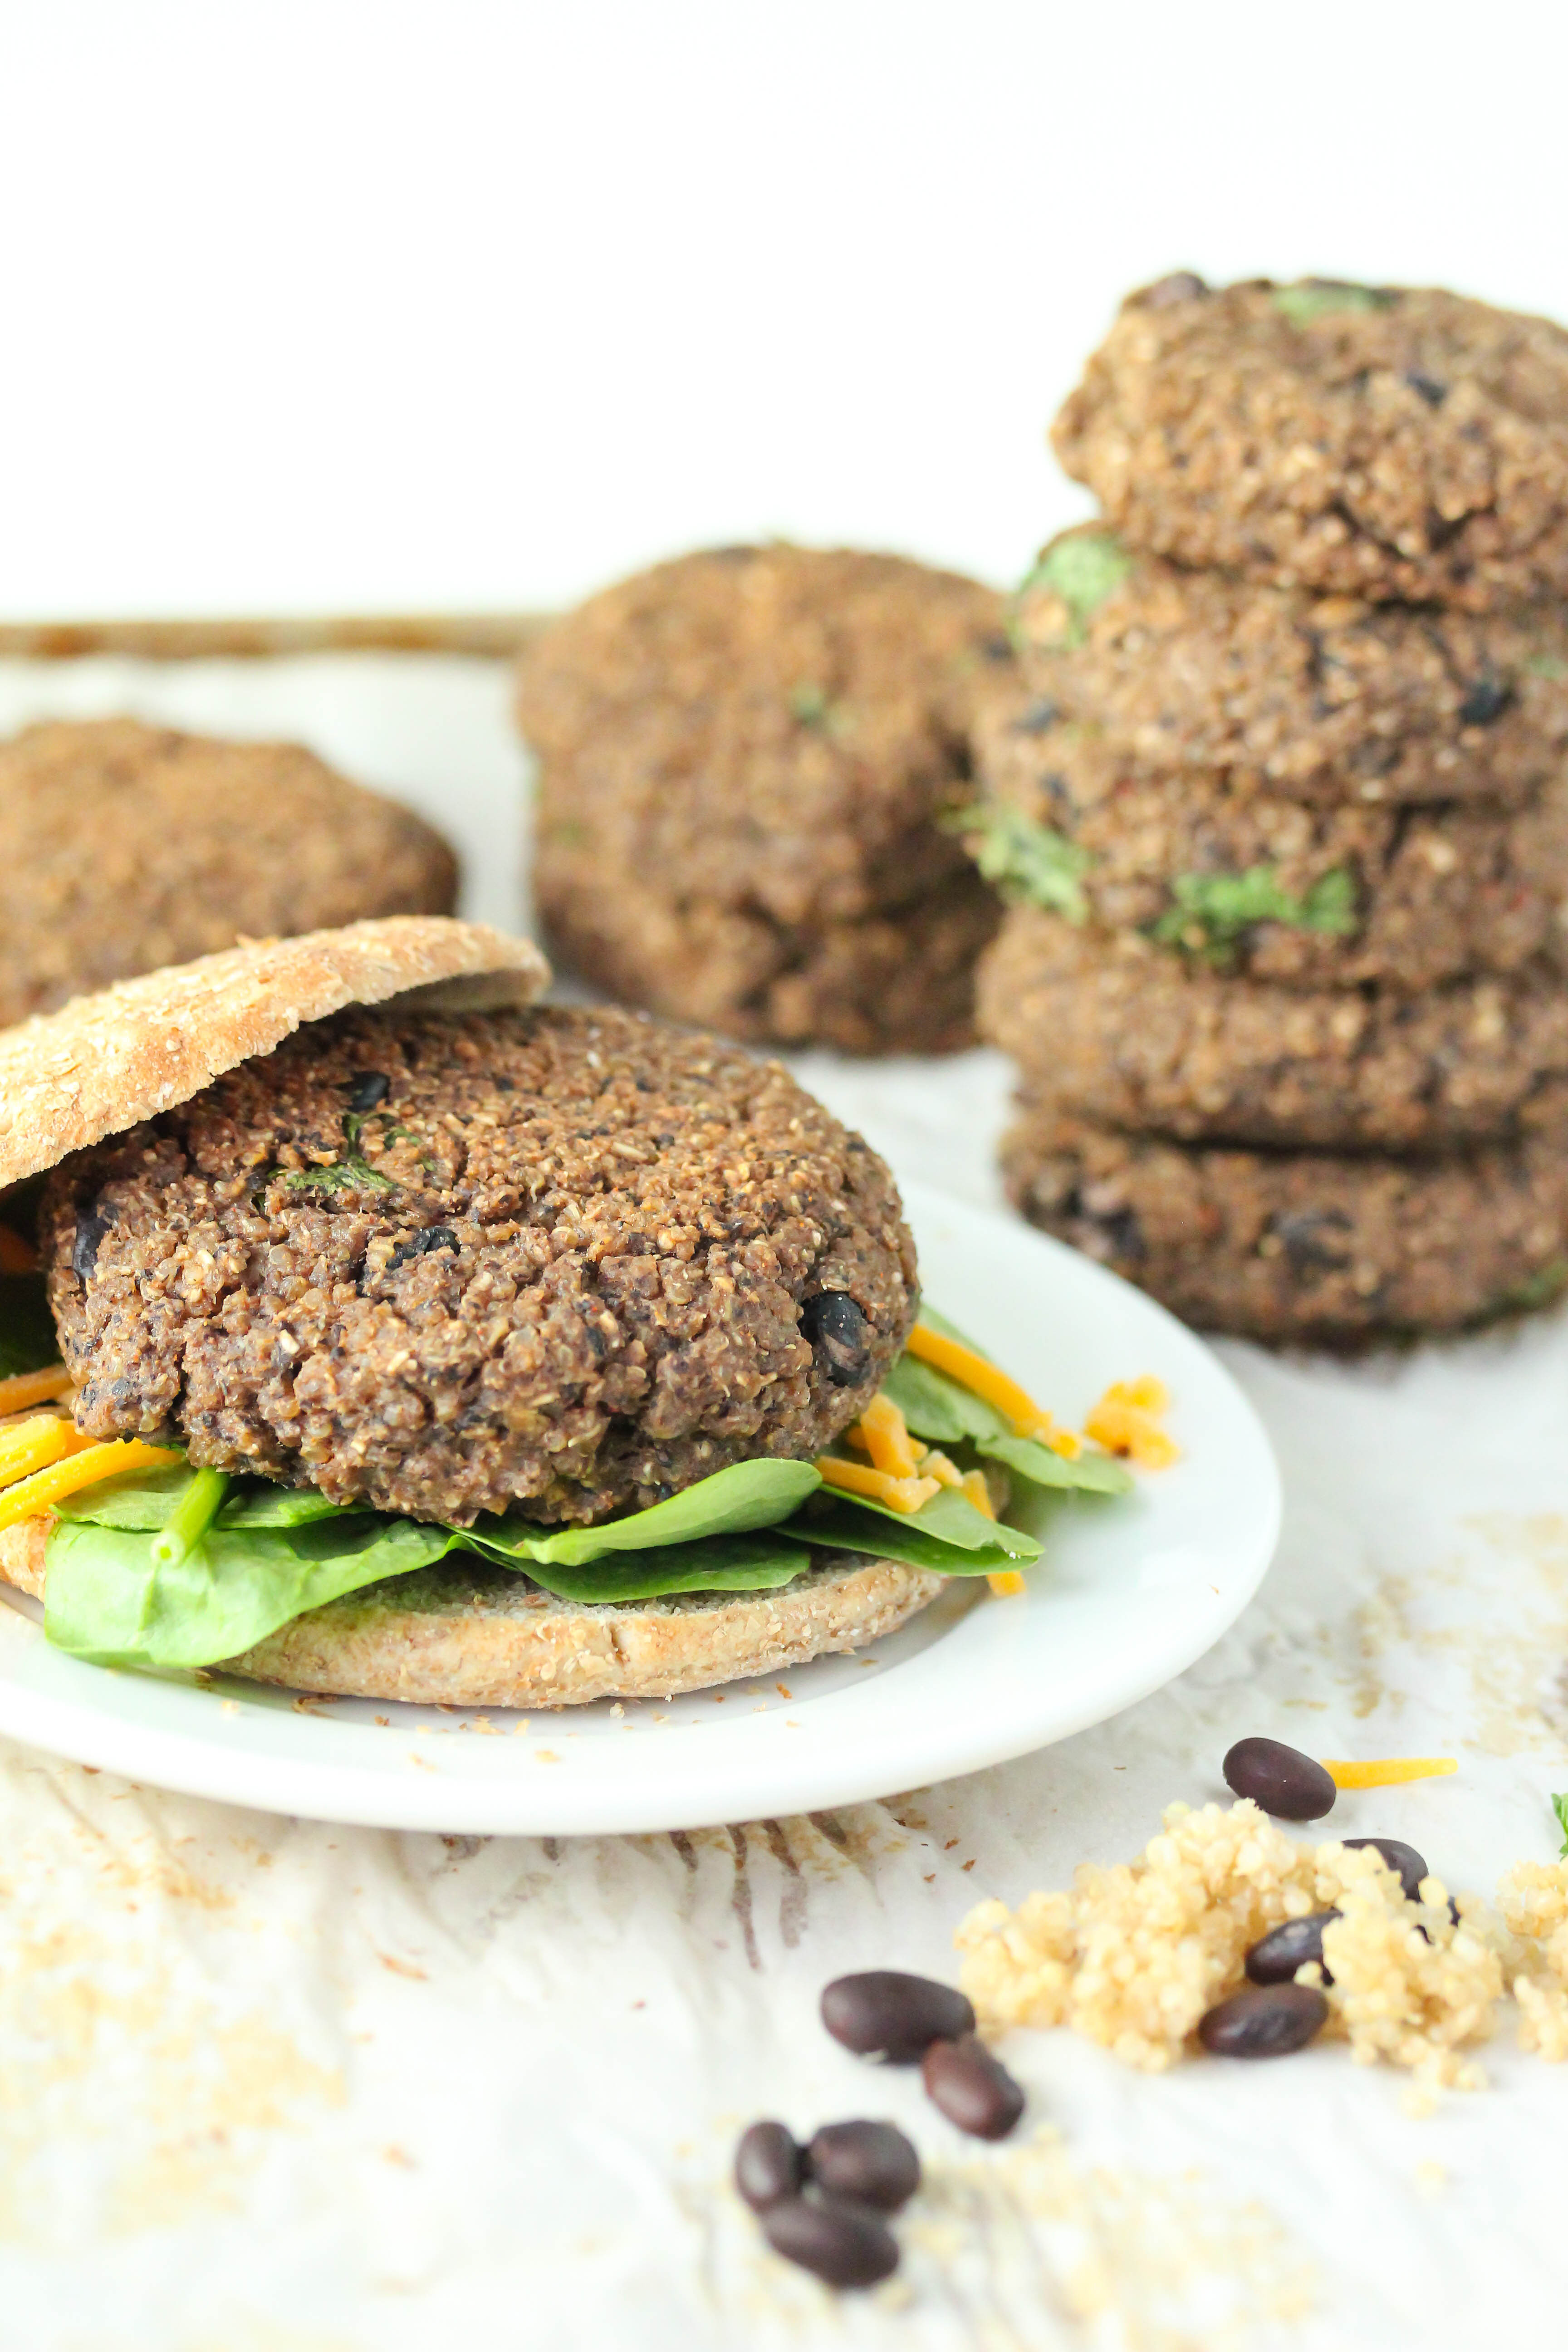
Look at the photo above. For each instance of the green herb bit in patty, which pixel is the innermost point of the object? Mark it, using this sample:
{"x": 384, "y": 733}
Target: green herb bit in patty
{"x": 1030, "y": 864}
{"x": 1083, "y": 571}
{"x": 1211, "y": 911}
{"x": 353, "y": 1169}
{"x": 813, "y": 705}
{"x": 1319, "y": 298}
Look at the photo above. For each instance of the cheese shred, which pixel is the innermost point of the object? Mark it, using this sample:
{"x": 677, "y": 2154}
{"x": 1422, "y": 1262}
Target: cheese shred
{"x": 33, "y": 1444}
{"x": 883, "y": 1435}
{"x": 877, "y": 1485}
{"x": 1127, "y": 1421}
{"x": 984, "y": 1379}
{"x": 1387, "y": 1771}
{"x": 32, "y": 1496}
{"x": 25, "y": 1388}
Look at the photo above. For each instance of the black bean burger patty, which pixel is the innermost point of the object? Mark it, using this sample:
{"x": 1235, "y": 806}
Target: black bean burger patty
{"x": 566, "y": 1259}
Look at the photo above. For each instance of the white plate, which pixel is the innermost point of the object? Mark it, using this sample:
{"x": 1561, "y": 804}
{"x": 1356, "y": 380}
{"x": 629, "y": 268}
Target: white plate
{"x": 1129, "y": 1593}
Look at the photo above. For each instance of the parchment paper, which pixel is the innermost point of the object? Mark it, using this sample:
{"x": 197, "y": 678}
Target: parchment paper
{"x": 268, "y": 2086}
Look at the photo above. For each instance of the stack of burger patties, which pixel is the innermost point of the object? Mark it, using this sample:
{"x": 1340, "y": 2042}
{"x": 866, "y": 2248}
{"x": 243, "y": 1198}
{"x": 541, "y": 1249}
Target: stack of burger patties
{"x": 1283, "y": 814}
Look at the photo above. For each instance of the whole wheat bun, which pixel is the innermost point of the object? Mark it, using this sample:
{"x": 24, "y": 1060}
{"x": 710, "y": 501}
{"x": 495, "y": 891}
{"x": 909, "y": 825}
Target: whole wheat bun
{"x": 453, "y": 1636}
{"x": 485, "y": 1637}
{"x": 68, "y": 1079}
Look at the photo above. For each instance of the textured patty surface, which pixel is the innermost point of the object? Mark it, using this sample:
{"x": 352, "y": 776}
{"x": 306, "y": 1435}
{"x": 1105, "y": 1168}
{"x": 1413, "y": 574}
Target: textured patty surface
{"x": 132, "y": 846}
{"x": 1405, "y": 896}
{"x": 1388, "y": 443}
{"x": 557, "y": 1259}
{"x": 895, "y": 979}
{"x": 1124, "y": 1033}
{"x": 1303, "y": 1245}
{"x": 744, "y": 755}
{"x": 1326, "y": 698}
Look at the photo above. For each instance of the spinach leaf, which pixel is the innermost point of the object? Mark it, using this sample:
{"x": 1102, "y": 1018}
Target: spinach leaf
{"x": 898, "y": 1535}
{"x": 27, "y": 1340}
{"x": 1086, "y": 1474}
{"x": 949, "y": 1519}
{"x": 146, "y": 1498}
{"x": 107, "y": 1601}
{"x": 714, "y": 1564}
{"x": 939, "y": 1408}
{"x": 936, "y": 1321}
{"x": 731, "y": 1502}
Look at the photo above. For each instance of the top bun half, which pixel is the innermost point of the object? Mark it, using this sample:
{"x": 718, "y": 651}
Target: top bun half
{"x": 103, "y": 1063}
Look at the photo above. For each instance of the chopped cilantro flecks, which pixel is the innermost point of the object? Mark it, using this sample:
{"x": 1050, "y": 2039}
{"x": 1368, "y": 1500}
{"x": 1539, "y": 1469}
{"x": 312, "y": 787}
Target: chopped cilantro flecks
{"x": 1545, "y": 665}
{"x": 1082, "y": 571}
{"x": 1537, "y": 1289}
{"x": 339, "y": 1176}
{"x": 1559, "y": 1807}
{"x": 353, "y": 1171}
{"x": 1211, "y": 911}
{"x": 813, "y": 705}
{"x": 1030, "y": 863}
{"x": 1318, "y": 297}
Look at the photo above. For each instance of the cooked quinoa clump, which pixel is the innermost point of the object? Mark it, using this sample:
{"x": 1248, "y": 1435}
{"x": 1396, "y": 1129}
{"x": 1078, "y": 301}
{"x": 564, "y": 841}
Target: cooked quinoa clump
{"x": 561, "y": 1260}
{"x": 1132, "y": 1956}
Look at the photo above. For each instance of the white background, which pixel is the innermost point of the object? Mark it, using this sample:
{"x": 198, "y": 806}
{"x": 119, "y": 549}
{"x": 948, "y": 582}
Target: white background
{"x": 315, "y": 307}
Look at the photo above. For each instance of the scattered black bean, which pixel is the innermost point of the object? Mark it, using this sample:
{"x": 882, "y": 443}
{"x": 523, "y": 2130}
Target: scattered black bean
{"x": 1281, "y": 1780}
{"x": 1485, "y": 702}
{"x": 1039, "y": 719}
{"x": 872, "y": 2162}
{"x": 420, "y": 1244}
{"x": 844, "y": 2244}
{"x": 366, "y": 1088}
{"x": 973, "y": 2089}
{"x": 1401, "y": 1858}
{"x": 837, "y": 1330}
{"x": 882, "y": 2014}
{"x": 1275, "y": 1958}
{"x": 1182, "y": 285}
{"x": 768, "y": 2166}
{"x": 86, "y": 1243}
{"x": 996, "y": 647}
{"x": 1263, "y": 2021}
{"x": 1433, "y": 393}
{"x": 1311, "y": 1237}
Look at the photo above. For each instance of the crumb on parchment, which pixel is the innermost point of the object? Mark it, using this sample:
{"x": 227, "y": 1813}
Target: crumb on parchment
{"x": 1534, "y": 1896}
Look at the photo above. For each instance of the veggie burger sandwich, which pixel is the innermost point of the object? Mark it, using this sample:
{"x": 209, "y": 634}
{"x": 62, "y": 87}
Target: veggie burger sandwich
{"x": 391, "y": 1334}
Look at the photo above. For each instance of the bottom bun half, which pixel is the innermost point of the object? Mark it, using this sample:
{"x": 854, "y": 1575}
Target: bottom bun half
{"x": 486, "y": 1637}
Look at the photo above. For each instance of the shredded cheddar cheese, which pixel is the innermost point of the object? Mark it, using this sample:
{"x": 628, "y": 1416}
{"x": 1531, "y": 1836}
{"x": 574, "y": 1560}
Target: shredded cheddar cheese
{"x": 987, "y": 1380}
{"x": 1387, "y": 1772}
{"x": 33, "y": 1444}
{"x": 34, "y": 1496}
{"x": 977, "y": 1491}
{"x": 17, "y": 1256}
{"x": 884, "y": 1436}
{"x": 877, "y": 1486}
{"x": 1127, "y": 1421}
{"x": 936, "y": 1465}
{"x": 1006, "y": 1583}
{"x": 25, "y": 1388}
